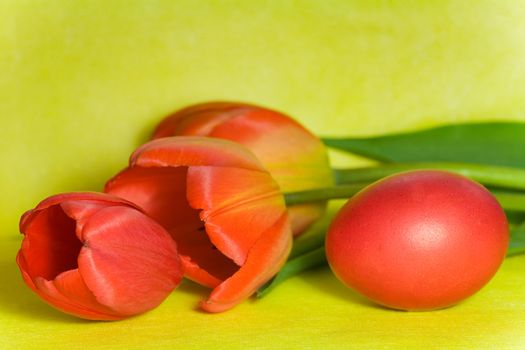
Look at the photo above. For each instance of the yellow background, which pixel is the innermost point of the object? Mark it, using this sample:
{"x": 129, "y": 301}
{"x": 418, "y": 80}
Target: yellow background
{"x": 82, "y": 83}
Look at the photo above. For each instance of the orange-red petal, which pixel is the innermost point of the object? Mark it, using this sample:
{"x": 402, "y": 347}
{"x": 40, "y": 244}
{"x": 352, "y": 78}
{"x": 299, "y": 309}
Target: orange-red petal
{"x": 266, "y": 258}
{"x": 47, "y": 291}
{"x": 69, "y": 292}
{"x": 238, "y": 206}
{"x": 160, "y": 191}
{"x": 193, "y": 151}
{"x": 47, "y": 251}
{"x": 128, "y": 261}
{"x": 195, "y": 120}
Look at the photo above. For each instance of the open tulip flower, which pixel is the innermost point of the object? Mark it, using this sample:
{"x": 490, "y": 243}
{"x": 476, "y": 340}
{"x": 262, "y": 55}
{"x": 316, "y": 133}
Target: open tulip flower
{"x": 96, "y": 256}
{"x": 296, "y": 158}
{"x": 221, "y": 206}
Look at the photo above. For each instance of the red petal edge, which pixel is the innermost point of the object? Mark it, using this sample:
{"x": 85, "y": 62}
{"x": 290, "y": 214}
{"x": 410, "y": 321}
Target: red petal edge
{"x": 266, "y": 258}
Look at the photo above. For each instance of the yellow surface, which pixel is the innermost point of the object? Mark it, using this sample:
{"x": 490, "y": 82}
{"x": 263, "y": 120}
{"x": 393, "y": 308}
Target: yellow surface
{"x": 83, "y": 82}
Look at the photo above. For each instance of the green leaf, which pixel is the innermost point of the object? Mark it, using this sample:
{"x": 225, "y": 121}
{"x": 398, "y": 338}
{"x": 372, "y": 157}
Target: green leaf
{"x": 496, "y": 143}
{"x": 490, "y": 175}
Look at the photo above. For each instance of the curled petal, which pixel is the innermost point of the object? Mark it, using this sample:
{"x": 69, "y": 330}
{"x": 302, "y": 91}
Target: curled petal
{"x": 69, "y": 291}
{"x": 47, "y": 291}
{"x": 238, "y": 206}
{"x": 193, "y": 151}
{"x": 101, "y": 198}
{"x": 266, "y": 258}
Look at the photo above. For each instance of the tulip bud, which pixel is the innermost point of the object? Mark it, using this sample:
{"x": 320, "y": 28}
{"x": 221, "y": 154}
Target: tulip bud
{"x": 97, "y": 256}
{"x": 295, "y": 157}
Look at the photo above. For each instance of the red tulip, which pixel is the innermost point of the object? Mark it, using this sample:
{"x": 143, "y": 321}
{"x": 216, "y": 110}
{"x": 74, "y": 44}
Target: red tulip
{"x": 221, "y": 206}
{"x": 295, "y": 157}
{"x": 96, "y": 256}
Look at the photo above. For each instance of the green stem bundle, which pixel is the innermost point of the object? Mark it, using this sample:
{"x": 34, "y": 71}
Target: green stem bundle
{"x": 505, "y": 177}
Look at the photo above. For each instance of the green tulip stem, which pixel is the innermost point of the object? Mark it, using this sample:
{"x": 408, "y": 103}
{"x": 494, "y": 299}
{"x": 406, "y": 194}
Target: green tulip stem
{"x": 508, "y": 200}
{"x": 489, "y": 175}
{"x": 350, "y": 181}
{"x": 322, "y": 194}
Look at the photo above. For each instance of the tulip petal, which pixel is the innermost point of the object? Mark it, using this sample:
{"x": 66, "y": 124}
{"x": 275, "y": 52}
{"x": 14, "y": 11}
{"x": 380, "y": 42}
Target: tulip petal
{"x": 82, "y": 210}
{"x": 295, "y": 157}
{"x": 72, "y": 286}
{"x": 47, "y": 291}
{"x": 192, "y": 151}
{"x": 183, "y": 121}
{"x": 128, "y": 261}
{"x": 72, "y": 196}
{"x": 161, "y": 192}
{"x": 69, "y": 293}
{"x": 265, "y": 259}
{"x": 238, "y": 206}
{"x": 195, "y": 272}
{"x": 55, "y": 299}
{"x": 47, "y": 248}
{"x": 199, "y": 124}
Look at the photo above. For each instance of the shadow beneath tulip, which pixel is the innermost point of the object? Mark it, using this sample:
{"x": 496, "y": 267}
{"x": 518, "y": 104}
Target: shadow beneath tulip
{"x": 15, "y": 297}
{"x": 325, "y": 282}
{"x": 192, "y": 288}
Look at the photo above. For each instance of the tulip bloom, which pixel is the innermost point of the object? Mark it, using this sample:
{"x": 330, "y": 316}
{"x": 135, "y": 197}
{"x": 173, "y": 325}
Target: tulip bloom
{"x": 97, "y": 256}
{"x": 221, "y": 206}
{"x": 296, "y": 158}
